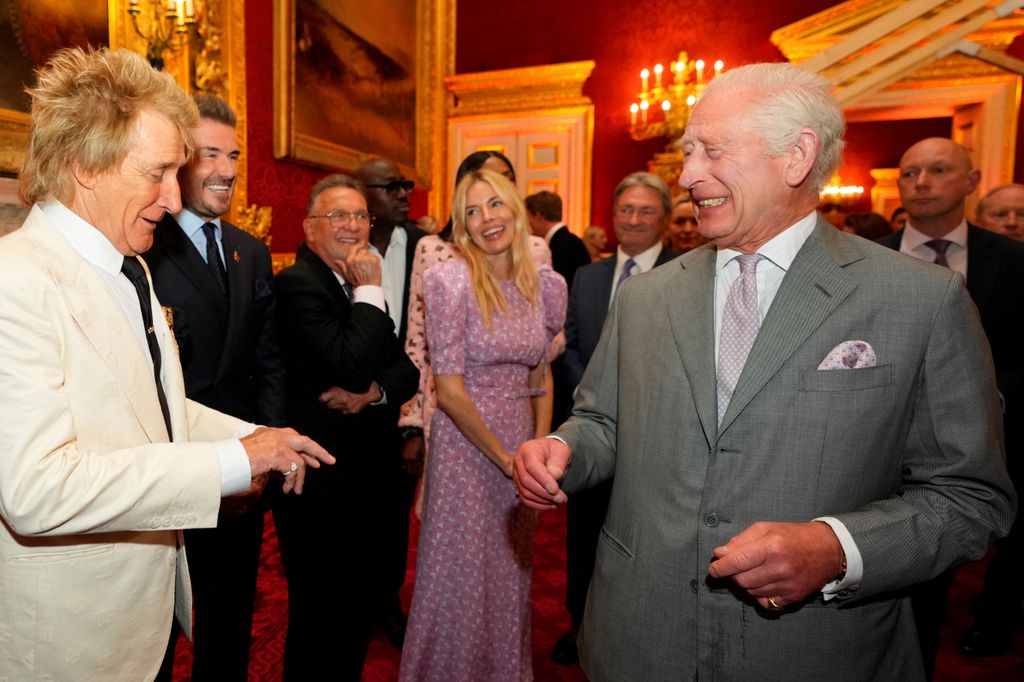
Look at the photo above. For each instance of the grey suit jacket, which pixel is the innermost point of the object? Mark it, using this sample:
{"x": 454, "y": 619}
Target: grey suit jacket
{"x": 588, "y": 307}
{"x": 907, "y": 454}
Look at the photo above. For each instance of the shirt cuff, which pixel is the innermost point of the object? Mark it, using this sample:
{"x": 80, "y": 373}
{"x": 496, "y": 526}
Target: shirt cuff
{"x": 235, "y": 470}
{"x": 854, "y": 562}
{"x": 372, "y": 294}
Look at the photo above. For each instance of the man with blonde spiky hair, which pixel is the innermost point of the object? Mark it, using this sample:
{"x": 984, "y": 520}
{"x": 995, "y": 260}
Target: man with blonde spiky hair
{"x": 102, "y": 457}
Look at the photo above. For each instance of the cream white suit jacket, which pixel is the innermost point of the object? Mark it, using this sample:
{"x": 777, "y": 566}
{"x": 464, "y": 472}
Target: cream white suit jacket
{"x": 91, "y": 493}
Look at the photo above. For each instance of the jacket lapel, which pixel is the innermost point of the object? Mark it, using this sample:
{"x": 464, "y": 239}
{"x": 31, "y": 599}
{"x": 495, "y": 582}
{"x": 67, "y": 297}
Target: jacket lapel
{"x": 812, "y": 289}
{"x": 690, "y": 300}
{"x": 182, "y": 252}
{"x": 983, "y": 264}
{"x": 103, "y": 323}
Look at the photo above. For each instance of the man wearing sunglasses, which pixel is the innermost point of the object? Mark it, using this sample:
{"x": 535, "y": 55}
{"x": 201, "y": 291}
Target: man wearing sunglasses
{"x": 395, "y": 237}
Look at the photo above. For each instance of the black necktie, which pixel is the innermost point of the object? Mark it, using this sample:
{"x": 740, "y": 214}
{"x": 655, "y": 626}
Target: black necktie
{"x": 213, "y": 259}
{"x": 132, "y": 269}
{"x": 939, "y": 246}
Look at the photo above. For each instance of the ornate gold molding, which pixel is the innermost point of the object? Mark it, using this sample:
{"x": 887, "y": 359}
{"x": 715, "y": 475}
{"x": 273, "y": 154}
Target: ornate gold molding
{"x": 509, "y": 90}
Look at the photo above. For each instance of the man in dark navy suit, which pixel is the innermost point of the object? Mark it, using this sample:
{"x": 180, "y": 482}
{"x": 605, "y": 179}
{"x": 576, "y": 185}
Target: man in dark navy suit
{"x": 643, "y": 204}
{"x": 935, "y": 178}
{"x": 213, "y": 279}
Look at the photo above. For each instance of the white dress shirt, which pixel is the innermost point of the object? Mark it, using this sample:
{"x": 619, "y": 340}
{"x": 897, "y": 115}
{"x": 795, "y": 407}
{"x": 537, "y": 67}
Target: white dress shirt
{"x": 393, "y": 275}
{"x": 779, "y": 253}
{"x": 192, "y": 225}
{"x": 551, "y": 232}
{"x": 100, "y": 254}
{"x": 643, "y": 262}
{"x": 913, "y": 241}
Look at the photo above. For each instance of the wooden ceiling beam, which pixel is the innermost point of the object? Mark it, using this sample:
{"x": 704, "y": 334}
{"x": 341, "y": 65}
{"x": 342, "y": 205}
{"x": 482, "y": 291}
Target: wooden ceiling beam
{"x": 917, "y": 57}
{"x": 900, "y": 43}
{"x": 869, "y": 33}
{"x": 985, "y": 54}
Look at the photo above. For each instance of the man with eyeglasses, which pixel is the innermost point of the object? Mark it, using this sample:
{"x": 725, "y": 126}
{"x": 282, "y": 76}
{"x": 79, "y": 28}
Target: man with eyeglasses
{"x": 640, "y": 217}
{"x": 395, "y": 237}
{"x": 347, "y": 375}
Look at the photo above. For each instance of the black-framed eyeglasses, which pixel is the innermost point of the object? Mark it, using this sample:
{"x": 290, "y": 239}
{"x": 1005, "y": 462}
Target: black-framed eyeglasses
{"x": 339, "y": 218}
{"x": 395, "y": 185}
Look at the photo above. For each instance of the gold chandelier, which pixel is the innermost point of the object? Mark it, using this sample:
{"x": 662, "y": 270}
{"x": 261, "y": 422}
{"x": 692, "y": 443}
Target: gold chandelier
{"x": 838, "y": 194}
{"x": 664, "y": 110}
{"x": 169, "y": 23}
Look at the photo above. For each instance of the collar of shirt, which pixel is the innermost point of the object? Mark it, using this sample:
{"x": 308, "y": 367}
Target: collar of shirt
{"x": 393, "y": 278}
{"x": 913, "y": 242}
{"x": 100, "y": 253}
{"x": 88, "y": 241}
{"x": 778, "y": 252}
{"x": 644, "y": 260}
{"x": 192, "y": 225}
{"x": 551, "y": 233}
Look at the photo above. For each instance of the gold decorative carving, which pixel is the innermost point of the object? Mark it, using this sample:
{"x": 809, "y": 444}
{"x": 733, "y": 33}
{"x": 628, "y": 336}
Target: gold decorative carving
{"x": 280, "y": 261}
{"x": 210, "y": 74}
{"x": 668, "y": 166}
{"x": 13, "y": 139}
{"x": 256, "y": 221}
{"x": 509, "y": 90}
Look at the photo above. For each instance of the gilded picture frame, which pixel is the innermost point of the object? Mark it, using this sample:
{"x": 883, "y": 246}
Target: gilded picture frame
{"x": 32, "y": 31}
{"x": 349, "y": 86}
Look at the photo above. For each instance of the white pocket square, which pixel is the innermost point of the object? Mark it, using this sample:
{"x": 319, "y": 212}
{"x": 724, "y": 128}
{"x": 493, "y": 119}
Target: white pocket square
{"x": 850, "y": 355}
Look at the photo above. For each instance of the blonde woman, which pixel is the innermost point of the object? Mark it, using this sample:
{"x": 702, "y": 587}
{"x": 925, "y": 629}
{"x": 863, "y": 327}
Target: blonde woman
{"x": 490, "y": 315}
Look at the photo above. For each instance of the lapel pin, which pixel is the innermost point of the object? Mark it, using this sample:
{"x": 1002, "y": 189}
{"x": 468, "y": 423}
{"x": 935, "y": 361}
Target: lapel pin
{"x": 236, "y": 257}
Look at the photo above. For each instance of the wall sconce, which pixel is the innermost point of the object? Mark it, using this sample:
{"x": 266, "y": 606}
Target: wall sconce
{"x": 170, "y": 22}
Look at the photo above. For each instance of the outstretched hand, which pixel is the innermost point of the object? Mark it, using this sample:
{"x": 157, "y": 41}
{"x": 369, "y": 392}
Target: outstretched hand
{"x": 537, "y": 467}
{"x": 285, "y": 452}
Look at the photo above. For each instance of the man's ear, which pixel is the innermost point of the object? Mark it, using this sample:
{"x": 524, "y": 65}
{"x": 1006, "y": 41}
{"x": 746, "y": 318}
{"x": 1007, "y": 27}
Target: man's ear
{"x": 802, "y": 157}
{"x": 83, "y": 178}
{"x": 973, "y": 178}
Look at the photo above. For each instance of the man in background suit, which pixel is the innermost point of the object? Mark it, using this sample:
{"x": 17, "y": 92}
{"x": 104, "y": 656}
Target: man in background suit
{"x": 935, "y": 179}
{"x": 640, "y": 216}
{"x": 395, "y": 238}
{"x": 347, "y": 376}
{"x": 1002, "y": 210}
{"x": 791, "y": 443}
{"x": 102, "y": 457}
{"x": 215, "y": 279}
{"x": 568, "y": 252}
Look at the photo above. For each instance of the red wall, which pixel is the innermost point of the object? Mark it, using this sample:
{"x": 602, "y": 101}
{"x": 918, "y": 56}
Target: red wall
{"x": 622, "y": 37}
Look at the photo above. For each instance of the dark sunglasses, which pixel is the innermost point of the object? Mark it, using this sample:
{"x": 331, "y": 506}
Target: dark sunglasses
{"x": 395, "y": 185}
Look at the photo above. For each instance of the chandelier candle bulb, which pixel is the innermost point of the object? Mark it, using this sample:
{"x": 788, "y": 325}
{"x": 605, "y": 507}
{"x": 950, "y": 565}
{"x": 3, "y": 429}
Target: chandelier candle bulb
{"x": 700, "y": 72}
{"x": 644, "y": 75}
{"x": 658, "y": 68}
{"x": 633, "y": 108}
{"x": 643, "y": 112}
{"x": 719, "y": 65}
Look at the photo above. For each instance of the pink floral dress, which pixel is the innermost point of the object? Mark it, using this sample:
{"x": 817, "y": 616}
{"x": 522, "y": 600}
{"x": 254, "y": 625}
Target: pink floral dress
{"x": 470, "y": 615}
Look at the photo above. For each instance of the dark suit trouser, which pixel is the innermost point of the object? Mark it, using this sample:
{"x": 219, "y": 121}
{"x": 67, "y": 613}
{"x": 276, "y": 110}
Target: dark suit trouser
{"x": 224, "y": 563}
{"x": 391, "y": 541}
{"x": 585, "y": 516}
{"x": 223, "y": 566}
{"x": 326, "y": 561}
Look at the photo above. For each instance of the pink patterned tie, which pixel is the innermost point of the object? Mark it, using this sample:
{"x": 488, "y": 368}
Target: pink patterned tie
{"x": 739, "y": 329}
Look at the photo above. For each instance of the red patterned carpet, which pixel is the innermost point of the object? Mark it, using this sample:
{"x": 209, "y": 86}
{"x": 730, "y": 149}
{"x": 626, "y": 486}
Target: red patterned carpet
{"x": 550, "y": 620}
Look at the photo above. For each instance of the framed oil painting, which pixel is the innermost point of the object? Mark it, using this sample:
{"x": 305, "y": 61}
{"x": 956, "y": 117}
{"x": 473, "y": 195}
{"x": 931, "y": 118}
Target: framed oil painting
{"x": 359, "y": 79}
{"x": 31, "y": 31}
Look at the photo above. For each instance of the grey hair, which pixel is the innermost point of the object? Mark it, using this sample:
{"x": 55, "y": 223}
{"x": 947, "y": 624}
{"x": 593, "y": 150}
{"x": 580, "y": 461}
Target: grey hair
{"x": 334, "y": 180}
{"x": 642, "y": 179}
{"x": 979, "y": 211}
{"x": 782, "y": 100}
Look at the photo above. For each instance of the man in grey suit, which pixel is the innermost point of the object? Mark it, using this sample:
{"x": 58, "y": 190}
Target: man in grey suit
{"x": 792, "y": 444}
{"x": 641, "y": 211}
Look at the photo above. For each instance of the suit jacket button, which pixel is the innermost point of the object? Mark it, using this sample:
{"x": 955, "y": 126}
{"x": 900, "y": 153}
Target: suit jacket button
{"x": 711, "y": 519}
{"x": 693, "y": 586}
